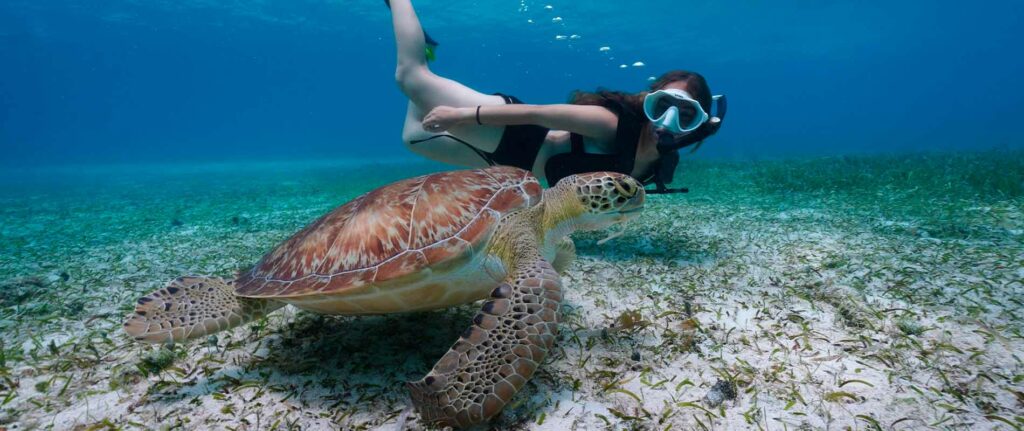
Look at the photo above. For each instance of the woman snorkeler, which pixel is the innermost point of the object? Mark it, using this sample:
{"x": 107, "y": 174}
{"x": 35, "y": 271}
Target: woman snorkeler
{"x": 636, "y": 134}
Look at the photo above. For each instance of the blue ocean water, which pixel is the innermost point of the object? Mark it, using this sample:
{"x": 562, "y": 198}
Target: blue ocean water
{"x": 143, "y": 140}
{"x": 128, "y": 81}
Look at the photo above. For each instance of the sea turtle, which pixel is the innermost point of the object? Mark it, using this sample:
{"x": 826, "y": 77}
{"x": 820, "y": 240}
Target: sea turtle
{"x": 423, "y": 243}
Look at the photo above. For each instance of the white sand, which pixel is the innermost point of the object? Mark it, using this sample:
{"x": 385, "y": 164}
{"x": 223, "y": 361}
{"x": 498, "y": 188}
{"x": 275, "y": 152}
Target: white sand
{"x": 823, "y": 318}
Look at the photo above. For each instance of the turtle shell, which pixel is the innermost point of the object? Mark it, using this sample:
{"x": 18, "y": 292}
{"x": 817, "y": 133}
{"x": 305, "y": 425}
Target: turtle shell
{"x": 393, "y": 232}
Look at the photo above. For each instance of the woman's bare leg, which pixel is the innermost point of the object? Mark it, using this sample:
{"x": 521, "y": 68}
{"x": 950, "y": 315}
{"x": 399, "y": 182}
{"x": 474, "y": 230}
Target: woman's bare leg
{"x": 444, "y": 150}
{"x": 426, "y": 91}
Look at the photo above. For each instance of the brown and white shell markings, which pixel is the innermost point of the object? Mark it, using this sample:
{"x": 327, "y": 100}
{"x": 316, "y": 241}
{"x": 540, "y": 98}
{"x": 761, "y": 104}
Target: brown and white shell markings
{"x": 394, "y": 249}
{"x": 424, "y": 243}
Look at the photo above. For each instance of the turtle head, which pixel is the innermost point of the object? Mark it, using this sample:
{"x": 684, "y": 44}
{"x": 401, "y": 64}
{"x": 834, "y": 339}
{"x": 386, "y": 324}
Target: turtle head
{"x": 597, "y": 200}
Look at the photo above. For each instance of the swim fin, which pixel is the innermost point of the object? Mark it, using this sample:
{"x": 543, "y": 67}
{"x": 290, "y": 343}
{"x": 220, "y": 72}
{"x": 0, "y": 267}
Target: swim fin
{"x": 431, "y": 49}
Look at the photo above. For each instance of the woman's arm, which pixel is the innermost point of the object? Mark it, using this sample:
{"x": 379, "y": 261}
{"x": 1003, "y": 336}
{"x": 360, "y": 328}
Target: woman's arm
{"x": 587, "y": 120}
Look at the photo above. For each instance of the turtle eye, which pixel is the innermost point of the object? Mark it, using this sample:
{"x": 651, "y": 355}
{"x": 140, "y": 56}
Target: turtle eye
{"x": 630, "y": 187}
{"x": 624, "y": 187}
{"x": 435, "y": 383}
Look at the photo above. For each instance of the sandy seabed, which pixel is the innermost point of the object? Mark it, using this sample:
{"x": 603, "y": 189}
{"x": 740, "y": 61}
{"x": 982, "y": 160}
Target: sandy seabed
{"x": 878, "y": 292}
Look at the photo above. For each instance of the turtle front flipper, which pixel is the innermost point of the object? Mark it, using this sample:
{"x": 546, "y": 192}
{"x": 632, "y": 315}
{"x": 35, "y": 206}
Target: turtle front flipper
{"x": 192, "y": 307}
{"x": 494, "y": 358}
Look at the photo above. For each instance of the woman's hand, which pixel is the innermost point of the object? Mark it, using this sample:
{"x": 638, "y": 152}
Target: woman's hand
{"x": 443, "y": 118}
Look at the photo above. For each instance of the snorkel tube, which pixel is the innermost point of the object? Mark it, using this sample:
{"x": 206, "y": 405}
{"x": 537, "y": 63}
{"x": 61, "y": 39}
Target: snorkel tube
{"x": 668, "y": 147}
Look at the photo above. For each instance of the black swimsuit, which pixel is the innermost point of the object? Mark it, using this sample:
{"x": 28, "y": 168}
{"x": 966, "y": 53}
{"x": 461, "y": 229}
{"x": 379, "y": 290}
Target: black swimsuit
{"x": 520, "y": 144}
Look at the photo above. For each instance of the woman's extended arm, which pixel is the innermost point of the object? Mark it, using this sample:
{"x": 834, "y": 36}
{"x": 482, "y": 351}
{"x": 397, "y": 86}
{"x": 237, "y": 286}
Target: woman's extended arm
{"x": 587, "y": 120}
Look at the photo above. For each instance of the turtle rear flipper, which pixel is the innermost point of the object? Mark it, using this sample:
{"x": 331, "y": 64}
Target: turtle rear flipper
{"x": 494, "y": 358}
{"x": 192, "y": 307}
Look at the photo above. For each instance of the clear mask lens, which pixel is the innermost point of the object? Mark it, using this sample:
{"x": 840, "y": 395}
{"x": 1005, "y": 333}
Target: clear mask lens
{"x": 686, "y": 109}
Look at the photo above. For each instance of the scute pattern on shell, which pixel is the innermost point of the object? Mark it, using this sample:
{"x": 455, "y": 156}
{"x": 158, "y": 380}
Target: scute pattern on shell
{"x": 392, "y": 231}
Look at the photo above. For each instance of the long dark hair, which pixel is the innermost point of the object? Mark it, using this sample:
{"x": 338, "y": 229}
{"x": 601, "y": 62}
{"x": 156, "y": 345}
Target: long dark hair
{"x": 696, "y": 85}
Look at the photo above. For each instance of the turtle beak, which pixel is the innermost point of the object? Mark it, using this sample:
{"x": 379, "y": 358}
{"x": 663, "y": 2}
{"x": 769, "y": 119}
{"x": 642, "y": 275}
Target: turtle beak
{"x": 634, "y": 204}
{"x": 627, "y": 214}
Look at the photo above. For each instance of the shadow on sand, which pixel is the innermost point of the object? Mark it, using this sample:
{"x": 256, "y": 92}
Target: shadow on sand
{"x": 657, "y": 245}
{"x": 331, "y": 366}
{"x": 348, "y": 369}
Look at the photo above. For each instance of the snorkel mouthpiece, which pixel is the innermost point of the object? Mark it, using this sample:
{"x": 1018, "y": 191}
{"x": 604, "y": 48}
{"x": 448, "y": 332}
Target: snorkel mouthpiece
{"x": 666, "y": 138}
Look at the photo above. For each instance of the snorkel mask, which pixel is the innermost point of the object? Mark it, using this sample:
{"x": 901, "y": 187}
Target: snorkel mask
{"x": 675, "y": 111}
{"x": 675, "y": 114}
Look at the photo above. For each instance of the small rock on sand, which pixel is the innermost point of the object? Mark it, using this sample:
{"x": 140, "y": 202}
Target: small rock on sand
{"x": 721, "y": 391}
